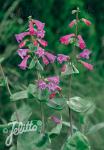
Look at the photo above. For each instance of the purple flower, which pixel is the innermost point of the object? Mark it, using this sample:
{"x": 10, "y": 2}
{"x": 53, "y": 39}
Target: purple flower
{"x": 19, "y": 37}
{"x": 42, "y": 85}
{"x": 22, "y": 52}
{"x": 50, "y": 57}
{"x": 40, "y": 52}
{"x": 61, "y": 58}
{"x": 52, "y": 87}
{"x": 85, "y": 54}
{"x": 56, "y": 120}
{"x": 23, "y": 64}
{"x": 54, "y": 79}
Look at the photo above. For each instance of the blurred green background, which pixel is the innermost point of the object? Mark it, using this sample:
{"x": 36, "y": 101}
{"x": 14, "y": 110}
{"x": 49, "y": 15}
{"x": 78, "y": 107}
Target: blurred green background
{"x": 56, "y": 14}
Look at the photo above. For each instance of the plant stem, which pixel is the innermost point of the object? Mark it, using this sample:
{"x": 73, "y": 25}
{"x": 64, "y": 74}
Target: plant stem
{"x": 41, "y": 107}
{"x": 70, "y": 113}
{"x": 70, "y": 77}
{"x": 9, "y": 91}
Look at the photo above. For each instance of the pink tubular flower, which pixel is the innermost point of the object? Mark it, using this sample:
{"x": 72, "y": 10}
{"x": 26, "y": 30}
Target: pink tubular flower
{"x": 52, "y": 95}
{"x": 35, "y": 43}
{"x": 87, "y": 65}
{"x": 87, "y": 22}
{"x": 42, "y": 85}
{"x": 40, "y": 34}
{"x": 39, "y": 24}
{"x": 19, "y": 37}
{"x": 40, "y": 52}
{"x": 56, "y": 120}
{"x": 50, "y": 57}
{"x": 63, "y": 68}
{"x": 43, "y": 42}
{"x": 54, "y": 79}
{"x": 72, "y": 23}
{"x": 85, "y": 54}
{"x": 31, "y": 28}
{"x": 22, "y": 44}
{"x": 81, "y": 42}
{"x": 22, "y": 52}
{"x": 66, "y": 39}
{"x": 45, "y": 60}
{"x": 23, "y": 64}
{"x": 61, "y": 58}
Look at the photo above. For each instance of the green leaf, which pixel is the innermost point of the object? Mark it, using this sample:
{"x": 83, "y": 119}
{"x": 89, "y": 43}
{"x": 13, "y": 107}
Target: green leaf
{"x": 39, "y": 66}
{"x": 1, "y": 59}
{"x": 77, "y": 142}
{"x": 70, "y": 69}
{"x": 55, "y": 131}
{"x": 32, "y": 88}
{"x": 43, "y": 140}
{"x": 12, "y": 148}
{"x": 19, "y": 95}
{"x": 67, "y": 124}
{"x": 79, "y": 105}
{"x": 32, "y": 64}
{"x": 31, "y": 47}
{"x": 24, "y": 113}
{"x": 29, "y": 140}
{"x": 96, "y": 128}
{"x": 57, "y": 103}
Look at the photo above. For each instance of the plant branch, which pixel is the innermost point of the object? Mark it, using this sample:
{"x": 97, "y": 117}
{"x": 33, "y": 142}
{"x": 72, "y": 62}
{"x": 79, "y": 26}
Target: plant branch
{"x": 70, "y": 77}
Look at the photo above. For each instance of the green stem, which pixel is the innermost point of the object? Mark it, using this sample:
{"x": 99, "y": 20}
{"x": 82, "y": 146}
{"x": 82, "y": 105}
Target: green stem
{"x": 70, "y": 77}
{"x": 9, "y": 91}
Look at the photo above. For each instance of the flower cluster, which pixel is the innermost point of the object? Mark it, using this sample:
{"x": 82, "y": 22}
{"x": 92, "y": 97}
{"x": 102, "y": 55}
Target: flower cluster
{"x": 50, "y": 83}
{"x": 78, "y": 41}
{"x": 34, "y": 36}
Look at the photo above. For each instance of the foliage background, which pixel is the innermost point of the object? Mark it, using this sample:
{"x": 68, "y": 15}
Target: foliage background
{"x": 56, "y": 14}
